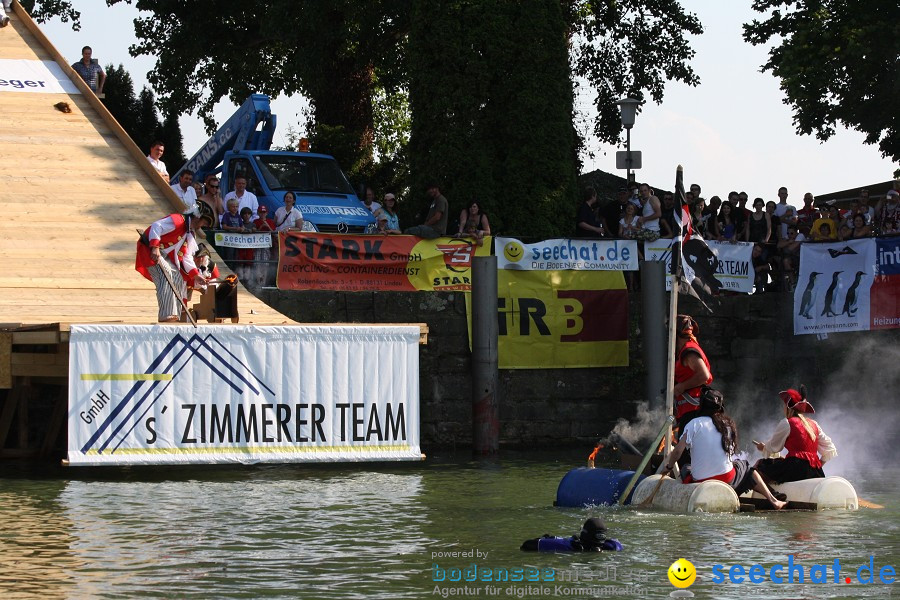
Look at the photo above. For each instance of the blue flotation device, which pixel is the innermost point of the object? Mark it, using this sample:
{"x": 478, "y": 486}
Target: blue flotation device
{"x": 588, "y": 487}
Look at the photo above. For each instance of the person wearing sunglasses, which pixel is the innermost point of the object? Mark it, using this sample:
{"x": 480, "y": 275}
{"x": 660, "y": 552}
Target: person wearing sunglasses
{"x": 212, "y": 197}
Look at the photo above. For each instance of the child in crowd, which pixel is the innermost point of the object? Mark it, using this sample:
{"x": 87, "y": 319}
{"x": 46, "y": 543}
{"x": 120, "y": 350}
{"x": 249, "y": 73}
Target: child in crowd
{"x": 245, "y": 256}
{"x": 591, "y": 539}
{"x": 231, "y": 221}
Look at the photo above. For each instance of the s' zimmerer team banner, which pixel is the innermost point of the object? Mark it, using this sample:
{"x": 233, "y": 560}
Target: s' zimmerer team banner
{"x": 399, "y": 263}
{"x": 848, "y": 286}
{"x": 564, "y": 254}
{"x": 731, "y": 262}
{"x": 562, "y": 319}
{"x": 163, "y": 394}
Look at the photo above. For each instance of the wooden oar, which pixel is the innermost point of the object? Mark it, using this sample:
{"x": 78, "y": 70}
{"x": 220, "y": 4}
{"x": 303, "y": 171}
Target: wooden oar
{"x": 867, "y": 504}
{"x": 649, "y": 498}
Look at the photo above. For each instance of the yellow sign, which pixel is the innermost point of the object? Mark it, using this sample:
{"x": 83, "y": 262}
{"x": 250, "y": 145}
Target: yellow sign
{"x": 554, "y": 319}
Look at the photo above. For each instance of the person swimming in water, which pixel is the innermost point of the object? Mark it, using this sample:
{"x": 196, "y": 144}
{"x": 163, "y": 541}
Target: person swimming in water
{"x": 591, "y": 539}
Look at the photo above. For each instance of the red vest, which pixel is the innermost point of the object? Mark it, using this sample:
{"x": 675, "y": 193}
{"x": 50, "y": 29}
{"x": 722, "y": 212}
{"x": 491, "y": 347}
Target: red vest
{"x": 143, "y": 261}
{"x": 799, "y": 444}
{"x": 688, "y": 401}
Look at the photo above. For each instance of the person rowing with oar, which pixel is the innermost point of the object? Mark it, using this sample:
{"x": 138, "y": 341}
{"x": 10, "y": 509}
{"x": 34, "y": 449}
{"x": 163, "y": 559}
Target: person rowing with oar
{"x": 712, "y": 436}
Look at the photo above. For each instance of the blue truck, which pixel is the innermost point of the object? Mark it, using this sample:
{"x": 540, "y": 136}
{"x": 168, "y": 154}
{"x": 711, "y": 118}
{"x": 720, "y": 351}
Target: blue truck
{"x": 241, "y": 147}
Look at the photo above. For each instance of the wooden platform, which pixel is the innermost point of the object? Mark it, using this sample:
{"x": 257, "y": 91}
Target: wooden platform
{"x": 74, "y": 190}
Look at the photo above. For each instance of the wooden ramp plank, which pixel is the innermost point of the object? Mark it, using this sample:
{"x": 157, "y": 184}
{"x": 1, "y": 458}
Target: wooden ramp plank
{"x": 75, "y": 189}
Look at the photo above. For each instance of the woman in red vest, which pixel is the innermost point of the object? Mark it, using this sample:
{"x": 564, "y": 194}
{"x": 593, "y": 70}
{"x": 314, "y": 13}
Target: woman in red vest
{"x": 692, "y": 370}
{"x": 807, "y": 445}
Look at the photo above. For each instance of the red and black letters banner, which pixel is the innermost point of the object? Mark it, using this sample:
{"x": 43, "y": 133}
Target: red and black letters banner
{"x": 400, "y": 263}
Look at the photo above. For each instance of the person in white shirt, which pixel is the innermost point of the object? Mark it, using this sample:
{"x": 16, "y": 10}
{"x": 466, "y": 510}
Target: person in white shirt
{"x": 155, "y": 157}
{"x": 288, "y": 216}
{"x": 786, "y": 213}
{"x": 712, "y": 439}
{"x": 244, "y": 198}
{"x": 369, "y": 201}
{"x": 184, "y": 190}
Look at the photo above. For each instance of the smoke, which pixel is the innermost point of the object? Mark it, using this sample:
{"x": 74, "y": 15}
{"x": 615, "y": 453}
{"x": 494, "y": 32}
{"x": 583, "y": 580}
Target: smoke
{"x": 645, "y": 426}
{"x": 855, "y": 403}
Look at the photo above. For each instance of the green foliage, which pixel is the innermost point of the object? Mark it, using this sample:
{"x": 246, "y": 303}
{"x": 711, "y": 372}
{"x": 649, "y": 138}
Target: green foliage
{"x": 630, "y": 48}
{"x": 44, "y": 10}
{"x": 120, "y": 99}
{"x": 139, "y": 117}
{"x": 475, "y": 94}
{"x": 492, "y": 109}
{"x": 838, "y": 63}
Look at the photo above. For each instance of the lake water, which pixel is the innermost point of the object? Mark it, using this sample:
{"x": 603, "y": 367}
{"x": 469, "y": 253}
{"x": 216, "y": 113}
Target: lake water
{"x": 388, "y": 531}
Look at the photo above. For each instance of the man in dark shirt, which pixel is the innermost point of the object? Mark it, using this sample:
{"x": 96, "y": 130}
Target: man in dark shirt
{"x": 613, "y": 210}
{"x": 435, "y": 224}
{"x": 586, "y": 223}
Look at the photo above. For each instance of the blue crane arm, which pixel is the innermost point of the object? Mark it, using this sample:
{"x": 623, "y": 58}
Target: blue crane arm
{"x": 236, "y": 134}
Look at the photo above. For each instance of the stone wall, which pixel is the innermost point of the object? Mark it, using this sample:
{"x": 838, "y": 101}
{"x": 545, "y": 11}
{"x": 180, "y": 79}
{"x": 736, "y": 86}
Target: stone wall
{"x": 749, "y": 340}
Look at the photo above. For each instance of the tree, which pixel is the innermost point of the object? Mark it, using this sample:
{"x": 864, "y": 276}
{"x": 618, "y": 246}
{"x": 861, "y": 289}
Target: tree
{"x": 42, "y": 10}
{"x": 630, "y": 48}
{"x": 838, "y": 63}
{"x": 329, "y": 51}
{"x": 120, "y": 99}
{"x": 492, "y": 116}
{"x": 489, "y": 83}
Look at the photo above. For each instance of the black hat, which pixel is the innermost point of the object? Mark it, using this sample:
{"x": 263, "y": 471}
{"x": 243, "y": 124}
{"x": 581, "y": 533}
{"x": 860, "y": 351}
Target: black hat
{"x": 593, "y": 532}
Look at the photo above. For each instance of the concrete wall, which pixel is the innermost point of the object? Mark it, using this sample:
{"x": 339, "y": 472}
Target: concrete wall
{"x": 749, "y": 340}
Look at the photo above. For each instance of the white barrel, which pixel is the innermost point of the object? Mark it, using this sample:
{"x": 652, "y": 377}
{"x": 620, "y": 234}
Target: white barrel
{"x": 824, "y": 492}
{"x": 709, "y": 496}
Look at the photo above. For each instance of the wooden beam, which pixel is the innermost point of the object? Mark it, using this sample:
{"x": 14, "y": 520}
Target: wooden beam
{"x": 57, "y": 420}
{"x": 9, "y": 411}
{"x": 6, "y": 342}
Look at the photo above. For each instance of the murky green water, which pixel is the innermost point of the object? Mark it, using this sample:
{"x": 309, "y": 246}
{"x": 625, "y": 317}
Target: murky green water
{"x": 364, "y": 531}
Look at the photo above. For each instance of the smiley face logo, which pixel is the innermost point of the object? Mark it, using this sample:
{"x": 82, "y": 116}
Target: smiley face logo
{"x": 682, "y": 573}
{"x": 513, "y": 251}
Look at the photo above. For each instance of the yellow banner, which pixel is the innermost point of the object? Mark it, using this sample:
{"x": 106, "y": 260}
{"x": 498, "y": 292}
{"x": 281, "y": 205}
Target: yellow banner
{"x": 562, "y": 319}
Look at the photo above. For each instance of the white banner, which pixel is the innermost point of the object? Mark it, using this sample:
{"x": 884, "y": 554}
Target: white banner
{"x": 833, "y": 286}
{"x": 567, "y": 254}
{"x": 164, "y": 394}
{"x": 243, "y": 240}
{"x": 38, "y": 76}
{"x": 734, "y": 270}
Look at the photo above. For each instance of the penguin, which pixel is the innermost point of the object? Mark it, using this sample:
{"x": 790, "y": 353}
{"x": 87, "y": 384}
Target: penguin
{"x": 851, "y": 299}
{"x": 809, "y": 299}
{"x": 828, "y": 310}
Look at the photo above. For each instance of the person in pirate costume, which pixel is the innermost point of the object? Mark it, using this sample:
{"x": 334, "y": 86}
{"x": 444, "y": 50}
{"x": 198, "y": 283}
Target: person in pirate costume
{"x": 692, "y": 372}
{"x": 591, "y": 539}
{"x": 165, "y": 256}
{"x": 808, "y": 448}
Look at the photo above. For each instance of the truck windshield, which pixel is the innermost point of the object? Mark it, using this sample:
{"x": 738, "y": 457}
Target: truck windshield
{"x": 303, "y": 174}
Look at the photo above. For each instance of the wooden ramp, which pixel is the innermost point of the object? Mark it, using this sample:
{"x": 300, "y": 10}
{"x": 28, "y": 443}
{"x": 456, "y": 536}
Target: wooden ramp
{"x": 73, "y": 189}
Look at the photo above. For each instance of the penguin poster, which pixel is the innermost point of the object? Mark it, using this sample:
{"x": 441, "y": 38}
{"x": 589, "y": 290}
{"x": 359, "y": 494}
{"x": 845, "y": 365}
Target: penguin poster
{"x": 833, "y": 287}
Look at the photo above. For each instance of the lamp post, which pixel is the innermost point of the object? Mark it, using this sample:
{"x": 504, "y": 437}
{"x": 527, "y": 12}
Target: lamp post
{"x": 628, "y": 109}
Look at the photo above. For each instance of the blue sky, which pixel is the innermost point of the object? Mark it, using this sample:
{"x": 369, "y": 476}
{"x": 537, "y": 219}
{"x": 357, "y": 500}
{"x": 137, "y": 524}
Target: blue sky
{"x": 730, "y": 133}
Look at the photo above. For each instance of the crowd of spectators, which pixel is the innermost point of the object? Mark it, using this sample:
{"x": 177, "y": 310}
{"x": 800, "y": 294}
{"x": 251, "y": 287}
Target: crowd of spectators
{"x": 777, "y": 229}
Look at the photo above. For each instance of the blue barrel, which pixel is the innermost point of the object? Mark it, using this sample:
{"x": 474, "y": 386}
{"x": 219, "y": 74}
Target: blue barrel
{"x": 585, "y": 487}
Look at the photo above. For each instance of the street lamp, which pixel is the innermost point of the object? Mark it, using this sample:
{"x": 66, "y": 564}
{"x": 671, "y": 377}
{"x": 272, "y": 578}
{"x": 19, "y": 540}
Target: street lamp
{"x": 628, "y": 108}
